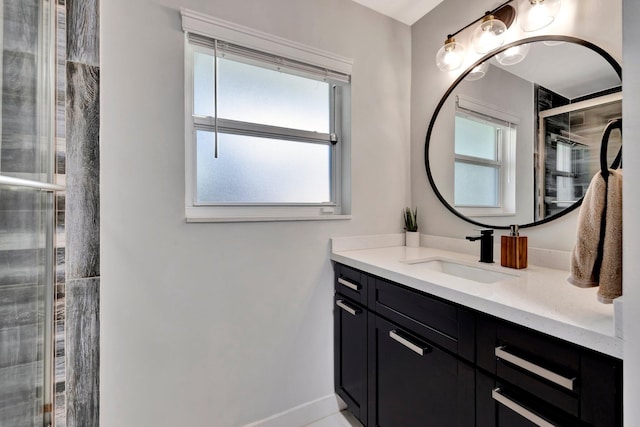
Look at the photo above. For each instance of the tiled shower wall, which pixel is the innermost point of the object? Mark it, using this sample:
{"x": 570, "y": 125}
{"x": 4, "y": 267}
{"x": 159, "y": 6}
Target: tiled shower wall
{"x": 82, "y": 213}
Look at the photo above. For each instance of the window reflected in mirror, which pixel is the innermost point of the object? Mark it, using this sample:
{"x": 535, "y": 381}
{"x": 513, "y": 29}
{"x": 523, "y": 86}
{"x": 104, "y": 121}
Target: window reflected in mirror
{"x": 484, "y": 160}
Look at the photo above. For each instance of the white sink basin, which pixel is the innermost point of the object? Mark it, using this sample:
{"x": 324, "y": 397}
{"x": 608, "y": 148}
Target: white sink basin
{"x": 464, "y": 271}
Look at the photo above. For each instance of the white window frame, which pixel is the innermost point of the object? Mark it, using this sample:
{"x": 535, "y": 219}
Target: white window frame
{"x": 213, "y": 28}
{"x": 506, "y": 157}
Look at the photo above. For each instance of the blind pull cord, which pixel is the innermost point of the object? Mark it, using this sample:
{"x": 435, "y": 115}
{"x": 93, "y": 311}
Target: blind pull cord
{"x": 215, "y": 99}
{"x": 333, "y": 137}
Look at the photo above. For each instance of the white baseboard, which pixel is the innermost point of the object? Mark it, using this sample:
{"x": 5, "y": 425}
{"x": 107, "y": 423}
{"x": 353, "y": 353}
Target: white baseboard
{"x": 303, "y": 414}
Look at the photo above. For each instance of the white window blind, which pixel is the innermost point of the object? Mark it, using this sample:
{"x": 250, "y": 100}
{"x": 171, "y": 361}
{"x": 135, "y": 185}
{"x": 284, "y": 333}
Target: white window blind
{"x": 233, "y": 51}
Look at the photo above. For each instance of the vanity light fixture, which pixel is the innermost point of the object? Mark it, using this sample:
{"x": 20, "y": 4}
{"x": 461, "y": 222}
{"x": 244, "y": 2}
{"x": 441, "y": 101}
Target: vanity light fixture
{"x": 489, "y": 35}
{"x": 450, "y": 56}
{"x": 540, "y": 14}
{"x": 513, "y": 55}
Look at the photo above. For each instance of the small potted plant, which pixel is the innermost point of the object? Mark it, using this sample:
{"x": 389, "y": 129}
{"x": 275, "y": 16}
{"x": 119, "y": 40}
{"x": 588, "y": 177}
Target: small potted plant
{"x": 411, "y": 227}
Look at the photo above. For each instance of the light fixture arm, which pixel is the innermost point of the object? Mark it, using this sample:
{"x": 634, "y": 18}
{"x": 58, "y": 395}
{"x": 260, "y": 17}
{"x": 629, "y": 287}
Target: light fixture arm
{"x": 451, "y": 56}
{"x": 490, "y": 12}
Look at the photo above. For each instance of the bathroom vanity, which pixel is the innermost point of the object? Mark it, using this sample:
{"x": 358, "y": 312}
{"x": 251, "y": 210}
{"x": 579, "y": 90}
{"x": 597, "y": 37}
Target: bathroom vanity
{"x": 425, "y": 337}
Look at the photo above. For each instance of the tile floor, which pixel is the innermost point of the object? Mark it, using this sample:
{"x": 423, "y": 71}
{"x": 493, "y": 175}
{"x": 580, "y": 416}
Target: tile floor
{"x": 341, "y": 419}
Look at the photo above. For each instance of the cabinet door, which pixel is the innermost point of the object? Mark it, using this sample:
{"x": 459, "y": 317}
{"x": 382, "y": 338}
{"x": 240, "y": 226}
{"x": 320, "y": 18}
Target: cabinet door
{"x": 350, "y": 352}
{"x": 415, "y": 383}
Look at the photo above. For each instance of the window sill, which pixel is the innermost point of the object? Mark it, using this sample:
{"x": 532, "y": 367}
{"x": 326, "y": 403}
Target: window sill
{"x": 191, "y": 219}
{"x": 486, "y": 212}
{"x": 263, "y": 213}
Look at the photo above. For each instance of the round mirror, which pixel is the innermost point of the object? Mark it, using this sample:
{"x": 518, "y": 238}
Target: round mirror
{"x": 516, "y": 138}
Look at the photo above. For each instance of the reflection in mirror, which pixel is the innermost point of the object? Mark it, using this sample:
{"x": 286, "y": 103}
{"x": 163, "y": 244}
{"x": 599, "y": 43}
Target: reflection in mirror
{"x": 569, "y": 150}
{"x": 484, "y": 172}
{"x": 518, "y": 143}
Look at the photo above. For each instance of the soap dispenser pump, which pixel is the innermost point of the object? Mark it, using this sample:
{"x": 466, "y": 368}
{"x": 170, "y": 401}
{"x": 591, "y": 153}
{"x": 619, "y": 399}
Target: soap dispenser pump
{"x": 513, "y": 249}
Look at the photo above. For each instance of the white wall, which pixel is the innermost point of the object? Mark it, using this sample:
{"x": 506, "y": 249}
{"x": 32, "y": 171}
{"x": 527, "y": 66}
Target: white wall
{"x": 223, "y": 324}
{"x": 579, "y": 18}
{"x": 631, "y": 207}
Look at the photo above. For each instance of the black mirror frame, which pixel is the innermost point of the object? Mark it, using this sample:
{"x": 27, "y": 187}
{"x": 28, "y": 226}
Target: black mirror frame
{"x": 616, "y": 66}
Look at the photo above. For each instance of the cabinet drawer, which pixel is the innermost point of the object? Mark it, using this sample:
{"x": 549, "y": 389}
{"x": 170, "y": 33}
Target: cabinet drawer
{"x": 544, "y": 356}
{"x": 440, "y": 322}
{"x": 539, "y": 364}
{"x": 498, "y": 403}
{"x": 351, "y": 283}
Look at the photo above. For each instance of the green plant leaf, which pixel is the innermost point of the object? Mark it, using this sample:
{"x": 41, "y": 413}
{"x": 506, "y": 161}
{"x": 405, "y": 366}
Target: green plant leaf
{"x": 410, "y": 219}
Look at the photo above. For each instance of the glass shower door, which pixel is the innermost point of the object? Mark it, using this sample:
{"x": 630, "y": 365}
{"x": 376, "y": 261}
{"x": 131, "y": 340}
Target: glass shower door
{"x": 25, "y": 301}
{"x": 27, "y": 190}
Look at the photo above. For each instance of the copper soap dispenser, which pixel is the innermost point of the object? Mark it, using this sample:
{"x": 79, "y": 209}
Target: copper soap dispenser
{"x": 513, "y": 249}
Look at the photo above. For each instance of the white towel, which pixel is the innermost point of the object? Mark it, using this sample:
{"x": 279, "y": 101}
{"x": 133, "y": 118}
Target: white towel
{"x": 585, "y": 257}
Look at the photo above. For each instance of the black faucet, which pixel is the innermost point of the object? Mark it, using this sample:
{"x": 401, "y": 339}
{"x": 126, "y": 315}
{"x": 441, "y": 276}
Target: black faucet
{"x": 486, "y": 245}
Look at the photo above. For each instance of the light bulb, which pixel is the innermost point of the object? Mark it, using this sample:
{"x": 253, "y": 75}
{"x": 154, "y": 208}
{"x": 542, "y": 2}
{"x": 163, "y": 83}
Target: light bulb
{"x": 513, "y": 55}
{"x": 450, "y": 56}
{"x": 540, "y": 14}
{"x": 489, "y": 35}
{"x": 477, "y": 72}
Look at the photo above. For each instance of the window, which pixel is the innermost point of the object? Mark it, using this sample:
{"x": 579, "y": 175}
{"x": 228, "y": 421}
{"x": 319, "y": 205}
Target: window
{"x": 570, "y": 172}
{"x": 266, "y": 134}
{"x": 564, "y": 179}
{"x": 484, "y": 175}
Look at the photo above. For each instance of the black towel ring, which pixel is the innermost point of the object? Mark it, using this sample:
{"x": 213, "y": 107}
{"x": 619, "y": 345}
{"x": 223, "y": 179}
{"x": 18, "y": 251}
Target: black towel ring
{"x": 604, "y": 167}
{"x": 604, "y": 171}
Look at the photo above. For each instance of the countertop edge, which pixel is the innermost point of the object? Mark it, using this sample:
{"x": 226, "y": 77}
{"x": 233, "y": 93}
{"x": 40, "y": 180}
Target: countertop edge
{"x": 593, "y": 340}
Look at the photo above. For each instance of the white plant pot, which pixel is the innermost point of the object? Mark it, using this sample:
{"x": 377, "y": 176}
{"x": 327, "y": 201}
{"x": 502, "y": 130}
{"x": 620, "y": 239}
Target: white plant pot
{"x": 412, "y": 239}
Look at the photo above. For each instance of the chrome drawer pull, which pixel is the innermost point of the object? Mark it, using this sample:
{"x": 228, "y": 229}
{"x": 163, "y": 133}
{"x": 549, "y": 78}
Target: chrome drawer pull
{"x": 353, "y": 311}
{"x": 348, "y": 284}
{"x": 405, "y": 342}
{"x": 523, "y": 412}
{"x": 565, "y": 382}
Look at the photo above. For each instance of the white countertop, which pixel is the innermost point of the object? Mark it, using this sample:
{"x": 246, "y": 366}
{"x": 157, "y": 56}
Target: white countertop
{"x": 536, "y": 297}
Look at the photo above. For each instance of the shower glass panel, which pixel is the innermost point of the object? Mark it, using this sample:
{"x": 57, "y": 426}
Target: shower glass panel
{"x": 27, "y": 190}
{"x": 25, "y": 297}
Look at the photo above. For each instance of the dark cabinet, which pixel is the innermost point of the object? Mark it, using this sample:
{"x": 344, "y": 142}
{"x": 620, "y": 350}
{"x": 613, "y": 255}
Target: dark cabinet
{"x": 350, "y": 339}
{"x": 350, "y": 355}
{"x": 406, "y": 358}
{"x": 415, "y": 383}
{"x": 397, "y": 354}
{"x": 532, "y": 376}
